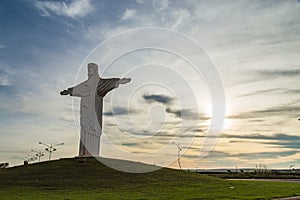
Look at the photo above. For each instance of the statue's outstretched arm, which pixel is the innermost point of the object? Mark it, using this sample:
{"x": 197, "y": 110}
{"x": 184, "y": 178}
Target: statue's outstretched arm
{"x": 66, "y": 92}
{"x": 124, "y": 80}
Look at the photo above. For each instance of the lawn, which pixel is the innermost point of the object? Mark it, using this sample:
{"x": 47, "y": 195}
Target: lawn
{"x": 68, "y": 179}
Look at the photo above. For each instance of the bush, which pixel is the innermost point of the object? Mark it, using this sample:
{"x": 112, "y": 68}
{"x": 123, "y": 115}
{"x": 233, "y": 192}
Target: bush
{"x": 4, "y": 165}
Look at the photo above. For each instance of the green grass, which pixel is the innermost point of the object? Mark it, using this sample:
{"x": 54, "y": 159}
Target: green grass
{"x": 68, "y": 179}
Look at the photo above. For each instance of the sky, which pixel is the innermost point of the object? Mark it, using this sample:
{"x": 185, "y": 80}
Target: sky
{"x": 251, "y": 47}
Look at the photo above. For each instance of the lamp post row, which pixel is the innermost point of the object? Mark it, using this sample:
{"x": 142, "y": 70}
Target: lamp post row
{"x": 38, "y": 154}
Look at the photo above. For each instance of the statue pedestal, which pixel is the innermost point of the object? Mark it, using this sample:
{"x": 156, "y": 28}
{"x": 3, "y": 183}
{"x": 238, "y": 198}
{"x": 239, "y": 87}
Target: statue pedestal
{"x": 82, "y": 159}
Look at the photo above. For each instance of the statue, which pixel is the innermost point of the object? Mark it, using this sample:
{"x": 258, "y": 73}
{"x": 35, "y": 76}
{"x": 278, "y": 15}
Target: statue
{"x": 92, "y": 92}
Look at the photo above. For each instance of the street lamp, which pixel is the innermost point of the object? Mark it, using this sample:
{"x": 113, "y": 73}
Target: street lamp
{"x": 50, "y": 148}
{"x": 38, "y": 154}
{"x": 178, "y": 154}
{"x": 291, "y": 167}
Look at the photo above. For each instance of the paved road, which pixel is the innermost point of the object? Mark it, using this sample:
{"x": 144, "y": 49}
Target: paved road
{"x": 273, "y": 180}
{"x": 289, "y": 198}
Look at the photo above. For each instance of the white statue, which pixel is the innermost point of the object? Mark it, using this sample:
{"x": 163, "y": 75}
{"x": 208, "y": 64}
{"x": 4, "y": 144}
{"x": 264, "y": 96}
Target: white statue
{"x": 92, "y": 92}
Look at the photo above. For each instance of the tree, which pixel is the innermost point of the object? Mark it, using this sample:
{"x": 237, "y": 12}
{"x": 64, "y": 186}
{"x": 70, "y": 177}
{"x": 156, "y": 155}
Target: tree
{"x": 261, "y": 169}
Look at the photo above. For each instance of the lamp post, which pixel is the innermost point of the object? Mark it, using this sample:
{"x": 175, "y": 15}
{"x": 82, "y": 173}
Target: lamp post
{"x": 38, "y": 154}
{"x": 178, "y": 153}
{"x": 291, "y": 167}
{"x": 50, "y": 148}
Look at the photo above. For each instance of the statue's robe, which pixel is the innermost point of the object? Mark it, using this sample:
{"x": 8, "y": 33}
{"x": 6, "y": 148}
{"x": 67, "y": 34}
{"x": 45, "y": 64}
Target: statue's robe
{"x": 92, "y": 92}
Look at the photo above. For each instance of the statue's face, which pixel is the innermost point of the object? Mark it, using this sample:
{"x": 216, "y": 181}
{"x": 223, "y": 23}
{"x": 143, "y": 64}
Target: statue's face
{"x": 92, "y": 69}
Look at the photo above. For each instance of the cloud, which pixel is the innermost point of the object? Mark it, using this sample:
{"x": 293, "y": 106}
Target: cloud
{"x": 130, "y": 144}
{"x": 77, "y": 8}
{"x": 120, "y": 111}
{"x": 160, "y": 5}
{"x": 184, "y": 114}
{"x": 285, "y": 144}
{"x": 2, "y": 46}
{"x": 261, "y": 92}
{"x": 270, "y": 91}
{"x": 267, "y": 75}
{"x": 261, "y": 155}
{"x": 278, "y": 136}
{"x": 279, "y": 73}
{"x": 252, "y": 156}
{"x": 129, "y": 14}
{"x": 180, "y": 15}
{"x": 279, "y": 140}
{"x": 5, "y": 75}
{"x": 140, "y": 1}
{"x": 4, "y": 80}
{"x": 283, "y": 110}
{"x": 160, "y": 98}
{"x": 117, "y": 111}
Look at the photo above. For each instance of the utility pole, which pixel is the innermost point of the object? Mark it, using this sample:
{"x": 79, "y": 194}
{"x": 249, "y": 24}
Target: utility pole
{"x": 38, "y": 154}
{"x": 178, "y": 154}
{"x": 50, "y": 148}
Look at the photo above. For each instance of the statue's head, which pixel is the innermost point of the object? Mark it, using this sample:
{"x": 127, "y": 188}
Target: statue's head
{"x": 92, "y": 69}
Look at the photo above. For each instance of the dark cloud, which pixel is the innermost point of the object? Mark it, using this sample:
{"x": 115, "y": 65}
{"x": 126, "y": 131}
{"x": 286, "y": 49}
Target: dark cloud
{"x": 278, "y": 136}
{"x": 286, "y": 110}
{"x": 285, "y": 144}
{"x": 292, "y": 91}
{"x": 218, "y": 154}
{"x": 266, "y": 154}
{"x": 279, "y": 140}
{"x": 120, "y": 111}
{"x": 160, "y": 98}
{"x": 260, "y": 155}
{"x": 256, "y": 120}
{"x": 181, "y": 135}
{"x": 184, "y": 113}
{"x": 111, "y": 125}
{"x": 130, "y": 144}
{"x": 190, "y": 156}
{"x": 167, "y": 134}
{"x": 251, "y": 156}
{"x": 279, "y": 73}
{"x": 272, "y": 91}
{"x": 263, "y": 75}
{"x": 197, "y": 130}
{"x": 261, "y": 92}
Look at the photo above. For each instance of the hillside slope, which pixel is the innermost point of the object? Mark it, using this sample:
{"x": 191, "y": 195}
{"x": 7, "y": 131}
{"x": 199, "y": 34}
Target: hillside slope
{"x": 69, "y": 179}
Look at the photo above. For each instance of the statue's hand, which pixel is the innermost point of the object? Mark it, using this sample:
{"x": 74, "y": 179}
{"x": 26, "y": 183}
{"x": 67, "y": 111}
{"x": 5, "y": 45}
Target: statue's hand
{"x": 64, "y": 92}
{"x": 124, "y": 80}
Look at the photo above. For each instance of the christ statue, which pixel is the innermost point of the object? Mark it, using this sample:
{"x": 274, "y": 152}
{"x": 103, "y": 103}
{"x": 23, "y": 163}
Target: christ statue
{"x": 92, "y": 92}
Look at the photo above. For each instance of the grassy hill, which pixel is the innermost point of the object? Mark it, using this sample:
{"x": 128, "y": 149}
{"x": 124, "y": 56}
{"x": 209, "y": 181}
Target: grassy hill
{"x": 69, "y": 179}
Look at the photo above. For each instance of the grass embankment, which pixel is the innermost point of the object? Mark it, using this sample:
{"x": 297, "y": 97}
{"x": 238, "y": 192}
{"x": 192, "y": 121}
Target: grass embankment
{"x": 68, "y": 179}
{"x": 252, "y": 175}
